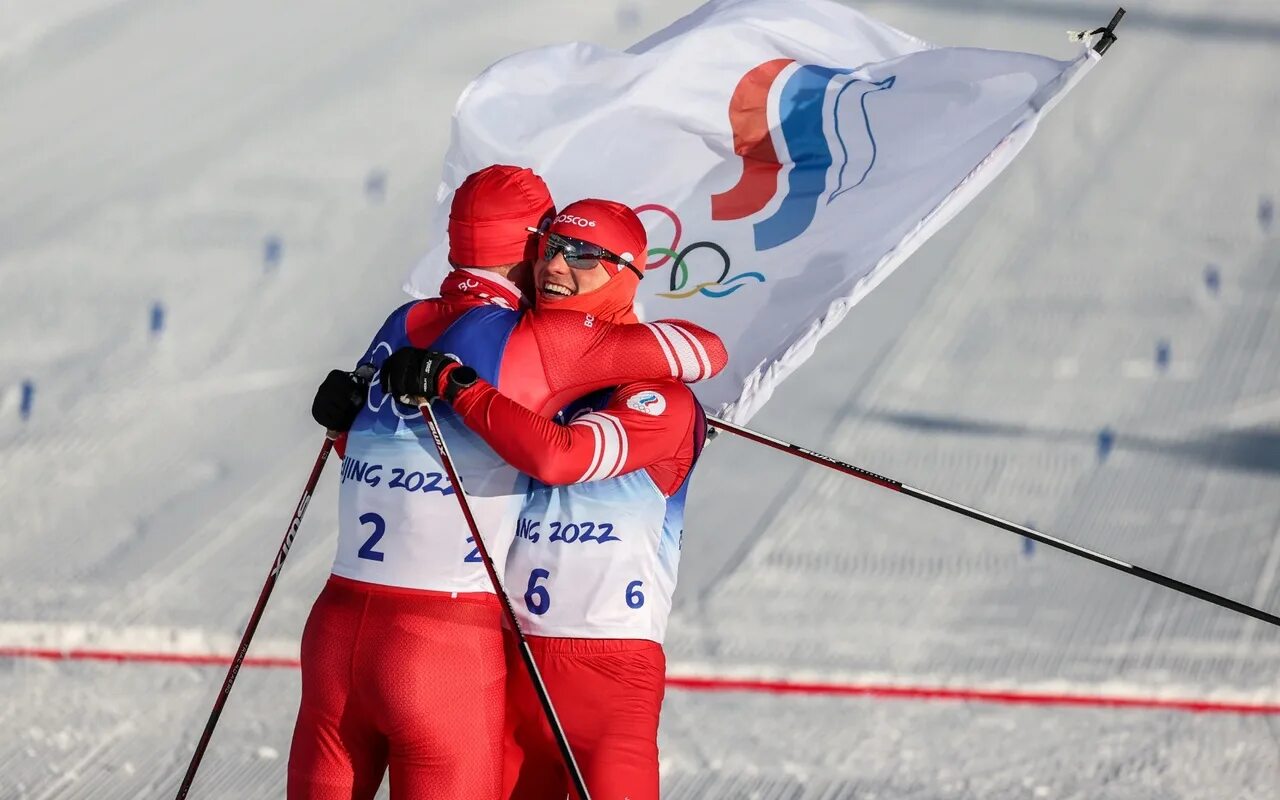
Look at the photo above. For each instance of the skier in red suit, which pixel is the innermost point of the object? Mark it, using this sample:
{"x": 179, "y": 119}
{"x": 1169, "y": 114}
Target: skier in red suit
{"x": 598, "y": 539}
{"x": 403, "y": 665}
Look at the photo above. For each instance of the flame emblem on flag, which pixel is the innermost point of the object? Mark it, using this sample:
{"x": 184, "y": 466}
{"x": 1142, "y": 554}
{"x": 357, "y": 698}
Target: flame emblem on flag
{"x": 801, "y": 103}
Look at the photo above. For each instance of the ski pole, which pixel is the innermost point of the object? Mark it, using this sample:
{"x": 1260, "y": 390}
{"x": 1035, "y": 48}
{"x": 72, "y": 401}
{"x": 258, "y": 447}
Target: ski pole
{"x": 991, "y": 519}
{"x": 254, "y": 618}
{"x": 526, "y": 655}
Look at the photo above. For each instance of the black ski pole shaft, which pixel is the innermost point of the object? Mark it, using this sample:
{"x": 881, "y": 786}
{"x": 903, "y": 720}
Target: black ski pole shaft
{"x": 991, "y": 519}
{"x": 526, "y": 655}
{"x": 254, "y": 618}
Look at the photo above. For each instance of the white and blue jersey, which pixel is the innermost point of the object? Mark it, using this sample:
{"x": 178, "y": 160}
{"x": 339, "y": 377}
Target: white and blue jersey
{"x": 398, "y": 521}
{"x": 598, "y": 559}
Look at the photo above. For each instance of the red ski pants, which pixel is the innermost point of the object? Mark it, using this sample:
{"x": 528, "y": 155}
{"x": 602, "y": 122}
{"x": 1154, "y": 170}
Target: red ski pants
{"x": 607, "y": 694}
{"x": 407, "y": 680}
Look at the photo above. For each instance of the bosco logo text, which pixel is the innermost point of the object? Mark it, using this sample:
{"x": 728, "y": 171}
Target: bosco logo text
{"x": 581, "y": 222}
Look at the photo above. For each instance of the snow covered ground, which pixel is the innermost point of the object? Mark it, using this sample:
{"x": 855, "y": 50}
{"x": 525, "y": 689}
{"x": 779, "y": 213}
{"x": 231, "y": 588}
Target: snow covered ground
{"x": 149, "y": 151}
{"x": 26, "y": 24}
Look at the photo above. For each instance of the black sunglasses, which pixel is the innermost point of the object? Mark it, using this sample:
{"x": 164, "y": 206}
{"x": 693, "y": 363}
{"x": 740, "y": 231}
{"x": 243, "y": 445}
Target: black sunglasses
{"x": 582, "y": 255}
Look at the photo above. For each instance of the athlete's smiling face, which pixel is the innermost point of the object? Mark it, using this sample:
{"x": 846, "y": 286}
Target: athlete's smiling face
{"x": 555, "y": 279}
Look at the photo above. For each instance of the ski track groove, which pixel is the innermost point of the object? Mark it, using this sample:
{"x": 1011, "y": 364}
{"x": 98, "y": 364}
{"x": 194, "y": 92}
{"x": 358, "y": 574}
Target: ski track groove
{"x": 69, "y": 777}
{"x": 218, "y": 533}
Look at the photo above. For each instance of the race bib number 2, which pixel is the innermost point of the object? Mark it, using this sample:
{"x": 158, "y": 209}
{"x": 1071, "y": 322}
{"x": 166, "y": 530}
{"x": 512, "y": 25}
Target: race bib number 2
{"x": 378, "y": 529}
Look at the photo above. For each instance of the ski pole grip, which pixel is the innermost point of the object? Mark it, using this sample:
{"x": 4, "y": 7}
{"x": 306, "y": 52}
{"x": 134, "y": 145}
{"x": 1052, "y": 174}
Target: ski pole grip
{"x": 364, "y": 374}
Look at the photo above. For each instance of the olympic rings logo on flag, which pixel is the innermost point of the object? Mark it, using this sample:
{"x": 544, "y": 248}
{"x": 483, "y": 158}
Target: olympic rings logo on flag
{"x": 681, "y": 283}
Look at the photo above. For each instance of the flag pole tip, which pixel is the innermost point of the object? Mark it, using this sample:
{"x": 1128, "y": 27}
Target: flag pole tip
{"x": 1108, "y": 33}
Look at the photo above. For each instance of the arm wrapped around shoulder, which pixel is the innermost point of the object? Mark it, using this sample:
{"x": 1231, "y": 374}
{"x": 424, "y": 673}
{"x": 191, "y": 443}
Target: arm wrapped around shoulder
{"x": 645, "y": 425}
{"x": 582, "y": 354}
{"x": 699, "y": 353}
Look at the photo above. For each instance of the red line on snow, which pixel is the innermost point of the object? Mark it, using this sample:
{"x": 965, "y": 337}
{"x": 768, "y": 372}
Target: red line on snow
{"x": 1006, "y": 697}
{"x": 724, "y": 684}
{"x": 134, "y": 657}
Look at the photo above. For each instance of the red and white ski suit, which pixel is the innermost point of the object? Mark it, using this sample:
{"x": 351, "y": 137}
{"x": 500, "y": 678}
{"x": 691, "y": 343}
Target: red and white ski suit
{"x": 402, "y": 655}
{"x": 596, "y": 552}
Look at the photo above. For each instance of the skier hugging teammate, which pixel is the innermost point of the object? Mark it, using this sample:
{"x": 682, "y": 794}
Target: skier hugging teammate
{"x": 574, "y": 436}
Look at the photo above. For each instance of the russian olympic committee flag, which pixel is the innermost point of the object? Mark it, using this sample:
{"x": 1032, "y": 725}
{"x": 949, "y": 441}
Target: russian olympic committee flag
{"x": 784, "y": 155}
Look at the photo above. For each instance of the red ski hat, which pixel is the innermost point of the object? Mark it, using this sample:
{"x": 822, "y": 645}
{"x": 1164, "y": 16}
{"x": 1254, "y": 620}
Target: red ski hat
{"x": 491, "y": 213}
{"x": 611, "y": 225}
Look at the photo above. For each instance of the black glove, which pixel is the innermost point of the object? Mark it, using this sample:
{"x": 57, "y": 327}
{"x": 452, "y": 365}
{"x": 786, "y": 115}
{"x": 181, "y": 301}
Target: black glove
{"x": 340, "y": 398}
{"x": 413, "y": 372}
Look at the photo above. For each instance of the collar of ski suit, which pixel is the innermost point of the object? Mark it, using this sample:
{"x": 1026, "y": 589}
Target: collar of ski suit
{"x": 483, "y": 285}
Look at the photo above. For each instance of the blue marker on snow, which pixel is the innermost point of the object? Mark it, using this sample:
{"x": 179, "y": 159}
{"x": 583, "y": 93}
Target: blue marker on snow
{"x": 1029, "y": 545}
{"x": 1212, "y": 278}
{"x": 375, "y": 186}
{"x": 157, "y": 318}
{"x": 1162, "y": 355}
{"x": 28, "y": 398}
{"x": 1266, "y": 212}
{"x": 1106, "y": 441}
{"x": 272, "y": 252}
{"x": 628, "y": 17}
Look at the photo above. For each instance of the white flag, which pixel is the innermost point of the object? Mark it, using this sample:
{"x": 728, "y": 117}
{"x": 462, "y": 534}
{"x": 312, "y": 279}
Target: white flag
{"x": 784, "y": 155}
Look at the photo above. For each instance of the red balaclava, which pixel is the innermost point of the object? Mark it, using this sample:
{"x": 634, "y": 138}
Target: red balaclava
{"x": 616, "y": 228}
{"x": 491, "y": 213}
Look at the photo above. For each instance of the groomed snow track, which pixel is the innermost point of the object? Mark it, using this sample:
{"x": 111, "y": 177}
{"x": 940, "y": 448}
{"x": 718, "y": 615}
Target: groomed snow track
{"x": 148, "y": 151}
